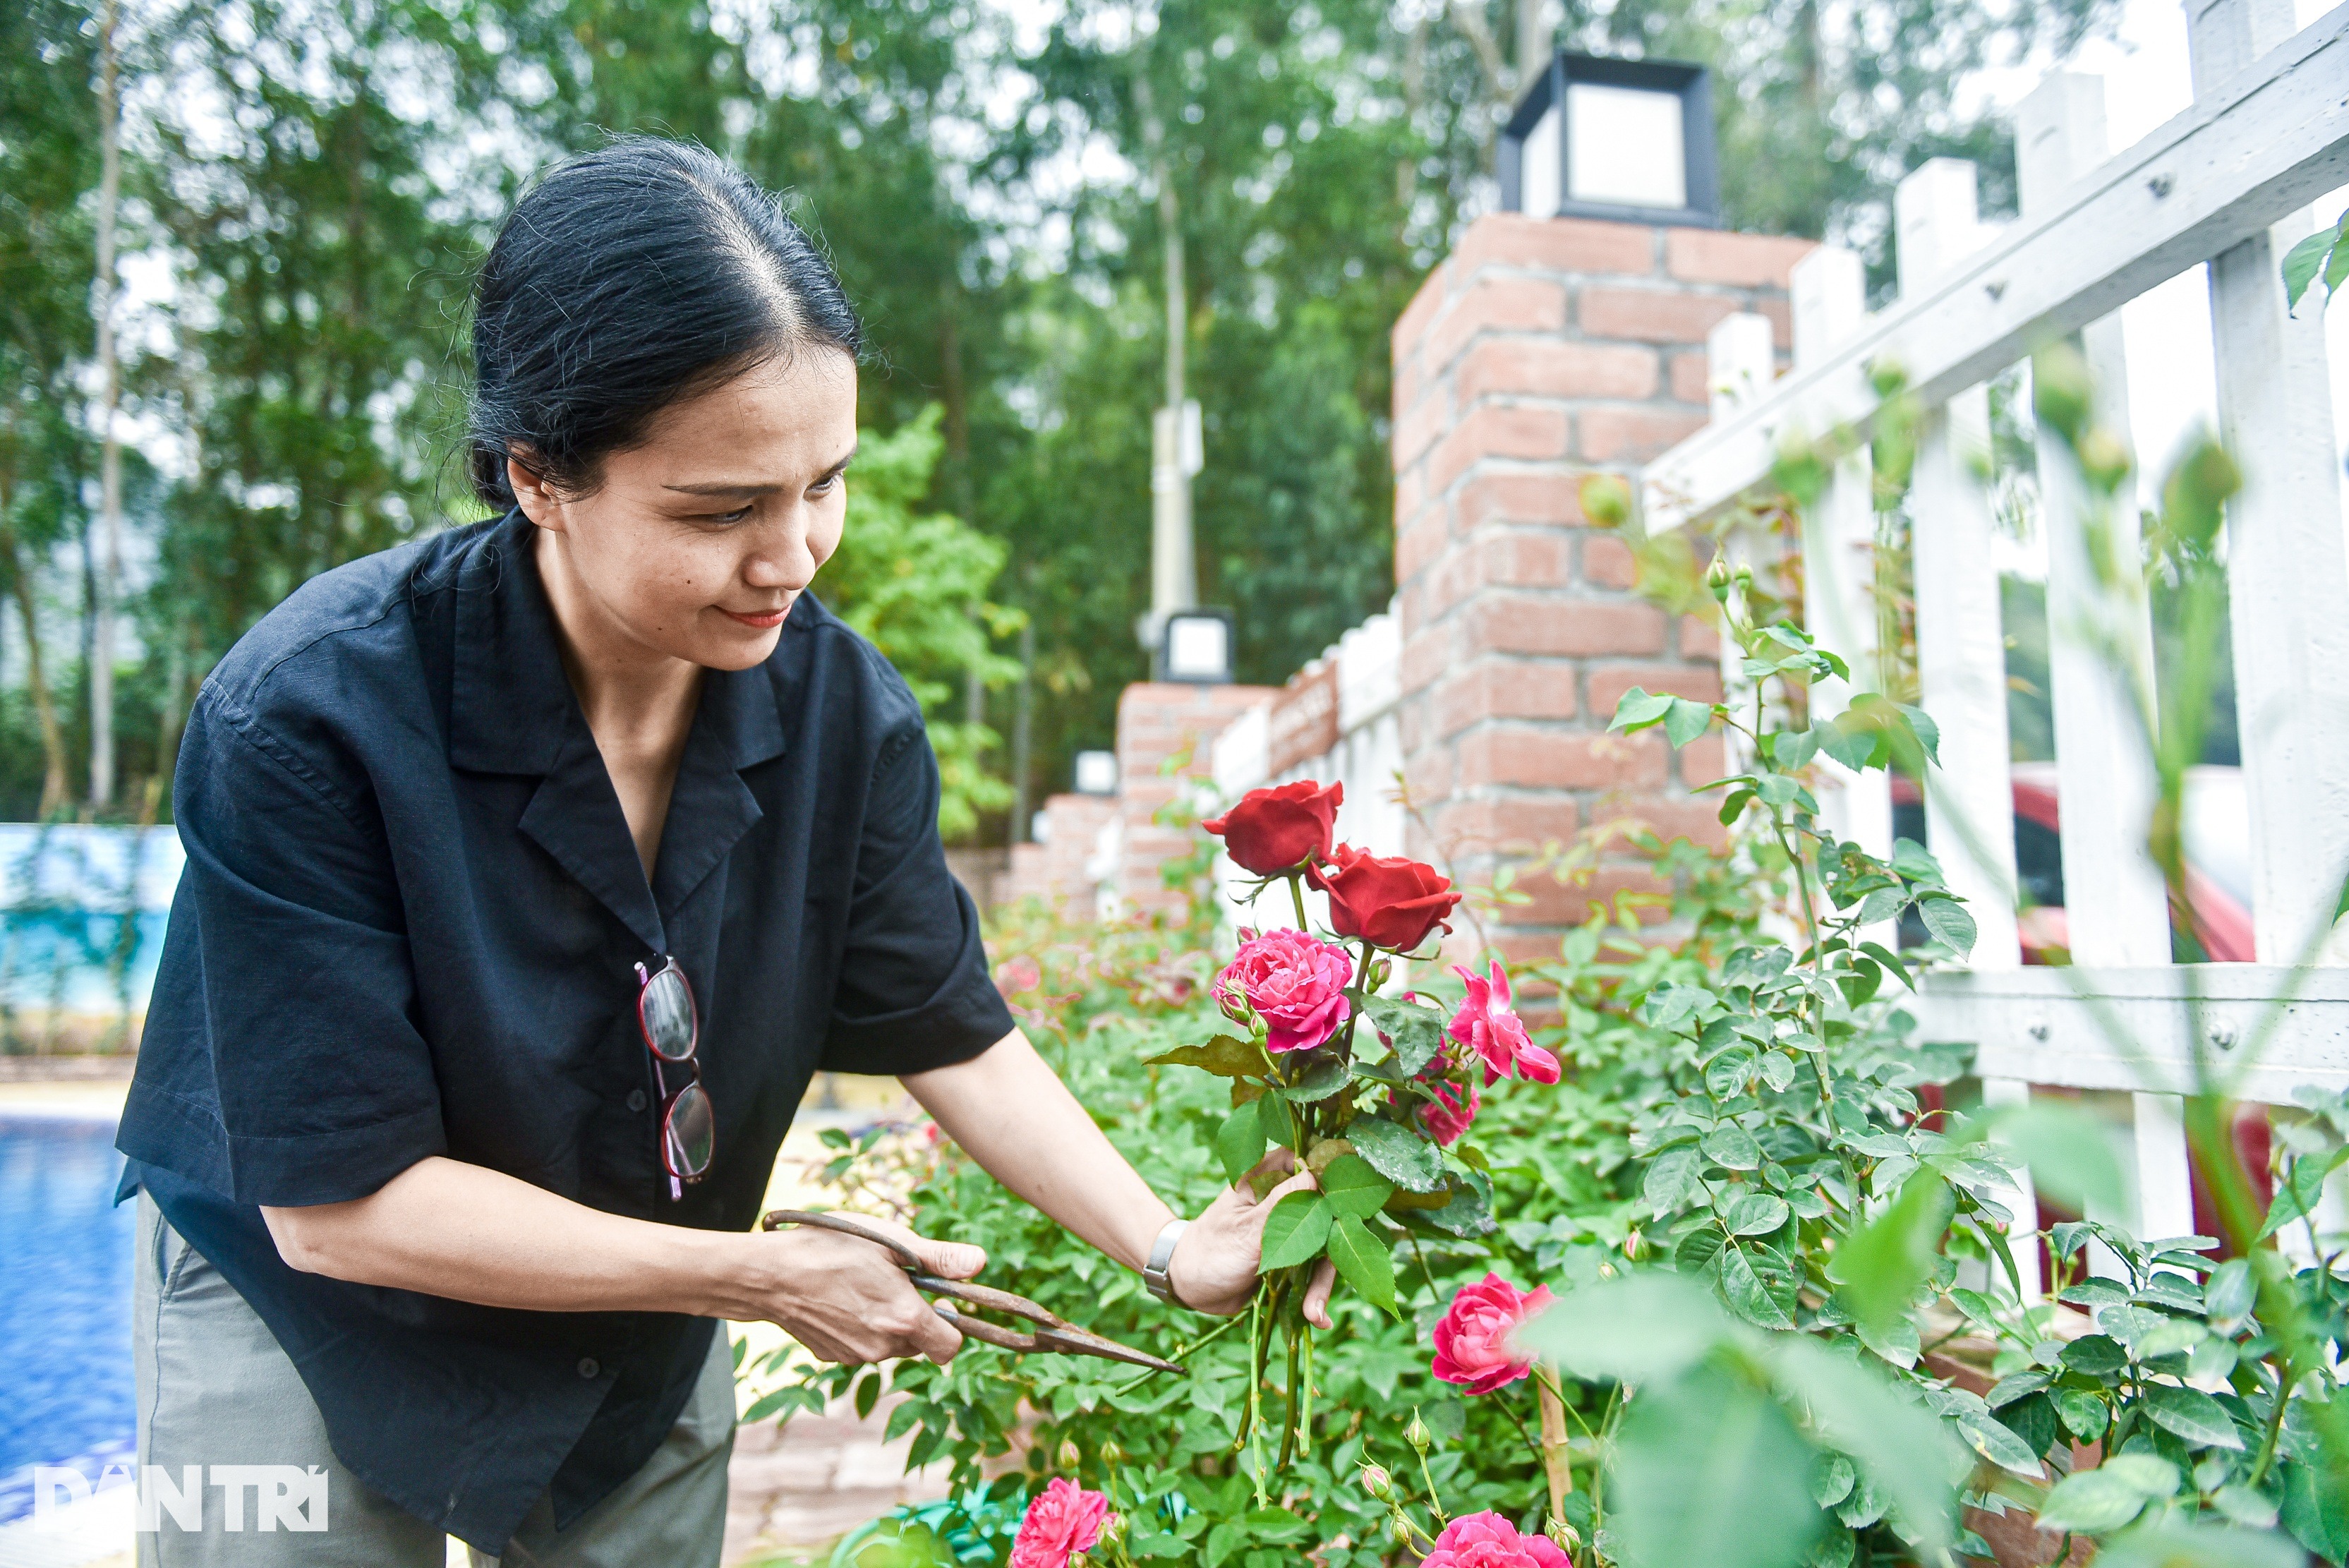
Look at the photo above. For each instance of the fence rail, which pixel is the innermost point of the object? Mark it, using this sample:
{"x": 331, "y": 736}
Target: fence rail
{"x": 2228, "y": 183}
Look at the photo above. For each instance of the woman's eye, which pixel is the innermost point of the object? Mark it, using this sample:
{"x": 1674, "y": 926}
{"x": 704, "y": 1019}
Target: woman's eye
{"x": 737, "y": 515}
{"x": 824, "y": 486}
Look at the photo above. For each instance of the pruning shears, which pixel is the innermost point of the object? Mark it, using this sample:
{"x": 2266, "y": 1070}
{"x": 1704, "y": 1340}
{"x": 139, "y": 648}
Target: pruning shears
{"x": 1052, "y": 1334}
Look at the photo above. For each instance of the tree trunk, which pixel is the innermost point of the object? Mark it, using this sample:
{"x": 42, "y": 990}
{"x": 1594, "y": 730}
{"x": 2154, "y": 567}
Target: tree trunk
{"x": 54, "y": 785}
{"x": 110, "y": 571}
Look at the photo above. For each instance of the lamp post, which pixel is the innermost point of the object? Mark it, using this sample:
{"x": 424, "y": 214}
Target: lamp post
{"x": 1630, "y": 140}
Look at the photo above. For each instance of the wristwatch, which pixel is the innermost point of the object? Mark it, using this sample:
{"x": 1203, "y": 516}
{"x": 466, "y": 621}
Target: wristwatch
{"x": 1162, "y": 1252}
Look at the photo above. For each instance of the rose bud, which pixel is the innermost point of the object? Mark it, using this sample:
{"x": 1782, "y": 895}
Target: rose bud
{"x": 1112, "y": 1455}
{"x": 1417, "y": 1434}
{"x": 1377, "y": 1483}
{"x": 1274, "y": 830}
{"x": 1071, "y": 1455}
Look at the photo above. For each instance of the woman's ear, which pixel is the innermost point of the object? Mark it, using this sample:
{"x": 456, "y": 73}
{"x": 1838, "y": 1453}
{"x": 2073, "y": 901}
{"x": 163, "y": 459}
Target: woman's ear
{"x": 537, "y": 499}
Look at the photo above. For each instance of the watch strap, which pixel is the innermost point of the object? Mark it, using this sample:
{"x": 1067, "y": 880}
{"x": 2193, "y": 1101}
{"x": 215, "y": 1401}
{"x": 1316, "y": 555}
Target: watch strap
{"x": 1162, "y": 1253}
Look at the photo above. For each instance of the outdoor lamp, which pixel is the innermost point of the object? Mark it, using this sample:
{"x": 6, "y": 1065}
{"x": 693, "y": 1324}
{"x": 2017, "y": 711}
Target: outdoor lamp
{"x": 1195, "y": 646}
{"x": 1096, "y": 773}
{"x": 1630, "y": 140}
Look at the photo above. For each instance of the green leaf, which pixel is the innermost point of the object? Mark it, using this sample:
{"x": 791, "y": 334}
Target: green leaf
{"x": 868, "y": 1394}
{"x": 2091, "y": 1501}
{"x": 1949, "y": 924}
{"x": 1639, "y": 1328}
{"x": 1159, "y": 1543}
{"x": 1903, "y": 1451}
{"x": 1636, "y": 709}
{"x": 1709, "y": 1472}
{"x": 1223, "y": 1055}
{"x": 2095, "y": 1355}
{"x": 1362, "y": 1262}
{"x": 2302, "y": 261}
{"x": 1416, "y": 1032}
{"x": 1686, "y": 720}
{"x": 1352, "y": 1187}
{"x": 1397, "y": 1153}
{"x": 1880, "y": 1266}
{"x": 1671, "y": 1179}
{"x": 1324, "y": 1078}
{"x": 1223, "y": 1541}
{"x": 2083, "y": 1414}
{"x": 2192, "y": 1415}
{"x": 1912, "y": 861}
{"x": 1242, "y": 1141}
{"x": 2069, "y": 1151}
{"x": 2173, "y": 1544}
{"x": 2232, "y": 1293}
{"x": 1742, "y": 1288}
{"x": 1990, "y": 1438}
{"x": 1732, "y": 1145}
{"x": 2300, "y": 1193}
{"x": 1754, "y": 1214}
{"x": 1295, "y": 1230}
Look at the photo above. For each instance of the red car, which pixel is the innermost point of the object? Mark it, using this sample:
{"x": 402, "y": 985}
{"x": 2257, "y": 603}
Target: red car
{"x": 2218, "y": 871}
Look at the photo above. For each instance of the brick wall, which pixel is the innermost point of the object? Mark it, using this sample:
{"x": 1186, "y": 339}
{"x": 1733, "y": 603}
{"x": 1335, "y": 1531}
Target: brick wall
{"x": 1156, "y": 721}
{"x": 1054, "y": 870}
{"x": 1540, "y": 351}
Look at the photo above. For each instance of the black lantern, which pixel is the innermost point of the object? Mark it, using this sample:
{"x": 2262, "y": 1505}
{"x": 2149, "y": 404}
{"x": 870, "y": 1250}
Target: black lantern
{"x": 1195, "y": 646}
{"x": 1630, "y": 140}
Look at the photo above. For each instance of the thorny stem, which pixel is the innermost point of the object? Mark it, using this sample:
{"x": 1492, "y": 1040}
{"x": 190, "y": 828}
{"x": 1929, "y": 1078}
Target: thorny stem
{"x": 1434, "y": 1504}
{"x": 1288, "y": 1422}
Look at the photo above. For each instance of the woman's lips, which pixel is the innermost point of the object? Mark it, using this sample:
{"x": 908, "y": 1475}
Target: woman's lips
{"x": 762, "y": 620}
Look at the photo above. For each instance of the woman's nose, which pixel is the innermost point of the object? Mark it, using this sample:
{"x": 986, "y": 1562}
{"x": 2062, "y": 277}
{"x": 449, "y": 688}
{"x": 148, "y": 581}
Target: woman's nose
{"x": 782, "y": 561}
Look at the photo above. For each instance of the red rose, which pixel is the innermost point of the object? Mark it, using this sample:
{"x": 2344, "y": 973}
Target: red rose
{"x": 1387, "y": 900}
{"x": 1063, "y": 1520}
{"x": 1488, "y": 1541}
{"x": 1273, "y": 830}
{"x": 1472, "y": 1343}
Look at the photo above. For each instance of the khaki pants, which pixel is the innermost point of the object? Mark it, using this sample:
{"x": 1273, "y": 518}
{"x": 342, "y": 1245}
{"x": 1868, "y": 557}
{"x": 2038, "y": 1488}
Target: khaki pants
{"x": 214, "y": 1388}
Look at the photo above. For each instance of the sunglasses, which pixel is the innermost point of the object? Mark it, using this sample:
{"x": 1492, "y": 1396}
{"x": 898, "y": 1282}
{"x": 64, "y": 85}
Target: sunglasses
{"x": 672, "y": 1029}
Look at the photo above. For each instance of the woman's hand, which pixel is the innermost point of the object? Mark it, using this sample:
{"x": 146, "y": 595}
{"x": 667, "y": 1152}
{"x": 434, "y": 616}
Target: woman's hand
{"x": 1216, "y": 1264}
{"x": 846, "y": 1299}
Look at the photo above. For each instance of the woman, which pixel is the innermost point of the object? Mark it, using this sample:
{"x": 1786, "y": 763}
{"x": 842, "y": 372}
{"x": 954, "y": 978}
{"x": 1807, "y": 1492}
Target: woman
{"x": 532, "y": 870}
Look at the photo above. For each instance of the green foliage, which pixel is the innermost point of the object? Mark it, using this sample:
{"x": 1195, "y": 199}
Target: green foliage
{"x": 916, "y": 584}
{"x": 2324, "y": 253}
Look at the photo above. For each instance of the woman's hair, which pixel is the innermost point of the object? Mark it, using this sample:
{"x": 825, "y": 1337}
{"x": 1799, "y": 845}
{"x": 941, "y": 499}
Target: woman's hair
{"x": 629, "y": 280}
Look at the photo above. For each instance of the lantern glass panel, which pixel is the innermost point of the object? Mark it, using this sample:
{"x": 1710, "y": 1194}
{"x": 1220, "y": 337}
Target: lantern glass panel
{"x": 1624, "y": 146}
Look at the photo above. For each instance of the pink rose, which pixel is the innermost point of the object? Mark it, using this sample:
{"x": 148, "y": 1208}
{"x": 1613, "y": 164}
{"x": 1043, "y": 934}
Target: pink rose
{"x": 1296, "y": 985}
{"x": 1488, "y": 1541}
{"x": 1450, "y": 1115}
{"x": 1487, "y": 1022}
{"x": 1472, "y": 1343}
{"x": 1063, "y": 1519}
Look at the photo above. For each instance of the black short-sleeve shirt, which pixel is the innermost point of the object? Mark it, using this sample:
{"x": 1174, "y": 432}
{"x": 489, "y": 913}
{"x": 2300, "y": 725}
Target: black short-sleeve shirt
{"x": 408, "y": 926}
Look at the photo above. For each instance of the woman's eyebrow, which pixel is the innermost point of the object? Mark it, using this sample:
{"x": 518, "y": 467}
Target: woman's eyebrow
{"x": 722, "y": 488}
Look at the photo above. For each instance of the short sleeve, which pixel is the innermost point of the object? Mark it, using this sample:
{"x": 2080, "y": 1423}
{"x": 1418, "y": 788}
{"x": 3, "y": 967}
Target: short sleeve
{"x": 914, "y": 991}
{"x": 281, "y": 1064}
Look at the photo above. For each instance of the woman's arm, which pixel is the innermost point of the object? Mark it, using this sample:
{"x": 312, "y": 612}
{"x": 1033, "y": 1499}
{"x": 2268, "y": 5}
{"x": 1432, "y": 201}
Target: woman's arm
{"x": 1011, "y": 1113}
{"x": 472, "y": 1234}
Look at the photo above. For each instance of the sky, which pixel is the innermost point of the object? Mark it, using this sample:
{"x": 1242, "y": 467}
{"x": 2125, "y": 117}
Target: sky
{"x": 2171, "y": 382}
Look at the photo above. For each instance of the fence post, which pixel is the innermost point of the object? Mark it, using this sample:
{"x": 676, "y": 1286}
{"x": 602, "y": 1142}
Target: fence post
{"x": 1830, "y": 297}
{"x": 2285, "y": 567}
{"x": 1960, "y": 637}
{"x": 2100, "y": 657}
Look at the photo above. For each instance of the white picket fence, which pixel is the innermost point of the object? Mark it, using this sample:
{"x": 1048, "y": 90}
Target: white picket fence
{"x": 2227, "y": 183}
{"x": 1336, "y": 722}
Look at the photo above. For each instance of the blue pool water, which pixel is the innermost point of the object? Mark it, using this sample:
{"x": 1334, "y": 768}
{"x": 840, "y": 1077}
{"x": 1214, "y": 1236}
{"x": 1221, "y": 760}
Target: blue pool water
{"x": 66, "y": 1389}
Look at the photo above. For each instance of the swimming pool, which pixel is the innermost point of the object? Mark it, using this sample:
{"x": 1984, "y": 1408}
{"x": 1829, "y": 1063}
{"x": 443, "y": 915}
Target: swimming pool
{"x": 65, "y": 1384}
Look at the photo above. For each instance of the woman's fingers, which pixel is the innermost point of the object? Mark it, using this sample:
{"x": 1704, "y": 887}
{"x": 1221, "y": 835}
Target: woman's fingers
{"x": 1316, "y": 1293}
{"x": 1261, "y": 1214}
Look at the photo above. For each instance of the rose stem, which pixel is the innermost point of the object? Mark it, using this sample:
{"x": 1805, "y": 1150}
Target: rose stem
{"x": 1554, "y": 1459}
{"x": 1288, "y": 1418}
{"x": 1304, "y": 1422}
{"x": 1297, "y": 896}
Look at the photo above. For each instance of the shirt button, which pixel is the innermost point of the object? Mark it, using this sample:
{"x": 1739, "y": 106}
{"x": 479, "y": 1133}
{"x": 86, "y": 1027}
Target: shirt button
{"x": 637, "y": 1101}
{"x": 587, "y": 1367}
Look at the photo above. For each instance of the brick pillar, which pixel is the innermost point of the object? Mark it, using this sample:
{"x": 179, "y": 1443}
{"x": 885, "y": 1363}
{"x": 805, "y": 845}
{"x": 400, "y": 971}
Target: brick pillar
{"x": 1156, "y": 721}
{"x": 1541, "y": 352}
{"x": 1054, "y": 869}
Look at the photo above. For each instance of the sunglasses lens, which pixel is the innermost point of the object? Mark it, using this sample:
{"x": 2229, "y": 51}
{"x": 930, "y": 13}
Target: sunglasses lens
{"x": 666, "y": 1009}
{"x": 690, "y": 1132}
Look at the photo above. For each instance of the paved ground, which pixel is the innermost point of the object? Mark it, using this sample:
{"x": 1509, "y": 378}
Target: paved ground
{"x": 795, "y": 1492}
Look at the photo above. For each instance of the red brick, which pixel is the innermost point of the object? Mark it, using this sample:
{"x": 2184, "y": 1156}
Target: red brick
{"x": 1692, "y": 378}
{"x": 1703, "y": 760}
{"x": 1427, "y": 776}
{"x": 1420, "y": 426}
{"x": 1514, "y": 558}
{"x": 1512, "y": 691}
{"x": 1508, "y": 825}
{"x": 1609, "y": 681}
{"x": 1700, "y": 638}
{"x": 1426, "y": 653}
{"x": 1550, "y": 498}
{"x": 1782, "y": 321}
{"x": 1494, "y": 304}
{"x": 1419, "y": 540}
{"x": 1650, "y": 314}
{"x": 1575, "y": 629}
{"x": 1716, "y": 256}
{"x": 1631, "y": 435}
{"x": 1411, "y": 325}
{"x": 1505, "y": 431}
{"x": 1557, "y": 904}
{"x": 1696, "y": 818}
{"x": 1556, "y": 245}
{"x": 1552, "y": 367}
{"x": 1607, "y": 561}
{"x": 1559, "y": 759}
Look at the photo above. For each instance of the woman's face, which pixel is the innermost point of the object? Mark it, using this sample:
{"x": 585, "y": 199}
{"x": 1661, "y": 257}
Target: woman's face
{"x": 699, "y": 540}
